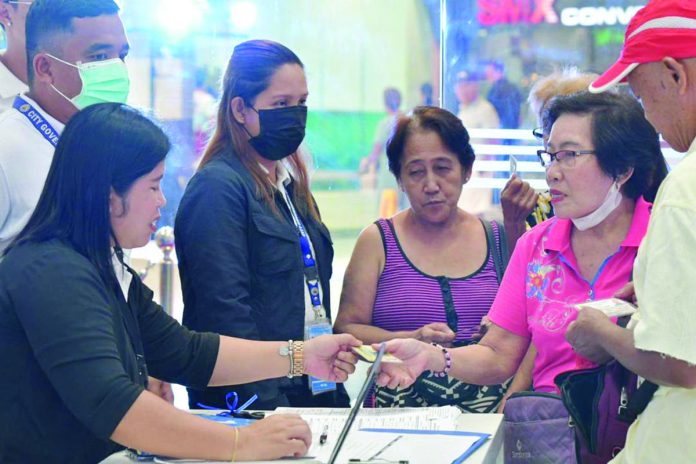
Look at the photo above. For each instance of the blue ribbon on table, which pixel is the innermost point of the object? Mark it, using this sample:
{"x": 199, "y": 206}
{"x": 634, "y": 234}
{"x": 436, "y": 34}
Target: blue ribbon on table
{"x": 231, "y": 399}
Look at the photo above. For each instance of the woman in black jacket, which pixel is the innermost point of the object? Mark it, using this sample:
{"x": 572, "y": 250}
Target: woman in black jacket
{"x": 254, "y": 256}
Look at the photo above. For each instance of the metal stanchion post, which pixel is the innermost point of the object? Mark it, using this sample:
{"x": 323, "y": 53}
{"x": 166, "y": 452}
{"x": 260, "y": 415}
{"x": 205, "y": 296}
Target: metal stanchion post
{"x": 165, "y": 240}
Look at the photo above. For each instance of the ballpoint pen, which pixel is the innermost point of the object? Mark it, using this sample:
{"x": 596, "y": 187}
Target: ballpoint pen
{"x": 324, "y": 435}
{"x": 377, "y": 461}
{"x": 378, "y": 453}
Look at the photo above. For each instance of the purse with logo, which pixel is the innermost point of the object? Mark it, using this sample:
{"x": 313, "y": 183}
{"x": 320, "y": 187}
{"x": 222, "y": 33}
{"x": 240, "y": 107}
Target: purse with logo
{"x": 587, "y": 423}
{"x": 536, "y": 429}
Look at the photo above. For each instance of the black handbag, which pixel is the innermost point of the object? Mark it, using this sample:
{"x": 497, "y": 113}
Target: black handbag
{"x": 602, "y": 402}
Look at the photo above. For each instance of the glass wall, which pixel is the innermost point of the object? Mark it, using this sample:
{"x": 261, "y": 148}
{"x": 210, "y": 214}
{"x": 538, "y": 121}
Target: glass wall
{"x": 493, "y": 52}
{"x": 352, "y": 49}
{"x": 531, "y": 38}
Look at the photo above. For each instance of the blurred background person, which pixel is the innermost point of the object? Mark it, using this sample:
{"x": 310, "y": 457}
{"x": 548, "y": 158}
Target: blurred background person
{"x": 204, "y": 112}
{"x": 565, "y": 82}
{"x": 255, "y": 258}
{"x": 376, "y": 161}
{"x": 474, "y": 110}
{"x": 503, "y": 95}
{"x": 426, "y": 94}
{"x": 430, "y": 272}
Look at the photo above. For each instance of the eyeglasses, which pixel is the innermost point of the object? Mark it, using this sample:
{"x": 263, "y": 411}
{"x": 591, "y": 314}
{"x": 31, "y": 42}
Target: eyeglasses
{"x": 564, "y": 157}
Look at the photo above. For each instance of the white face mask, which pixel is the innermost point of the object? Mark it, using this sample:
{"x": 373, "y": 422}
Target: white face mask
{"x": 611, "y": 201}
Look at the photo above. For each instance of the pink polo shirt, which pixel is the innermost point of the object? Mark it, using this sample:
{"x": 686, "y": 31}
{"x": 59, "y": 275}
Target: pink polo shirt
{"x": 542, "y": 283}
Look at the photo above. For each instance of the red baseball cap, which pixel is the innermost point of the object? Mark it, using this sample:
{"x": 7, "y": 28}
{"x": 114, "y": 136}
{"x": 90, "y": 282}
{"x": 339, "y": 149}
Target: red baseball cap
{"x": 663, "y": 28}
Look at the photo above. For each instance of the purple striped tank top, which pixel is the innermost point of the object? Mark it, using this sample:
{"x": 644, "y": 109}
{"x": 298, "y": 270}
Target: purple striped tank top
{"x": 408, "y": 299}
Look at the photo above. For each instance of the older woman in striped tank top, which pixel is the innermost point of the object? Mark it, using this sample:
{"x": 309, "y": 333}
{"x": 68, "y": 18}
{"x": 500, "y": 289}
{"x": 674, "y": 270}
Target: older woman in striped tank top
{"x": 429, "y": 272}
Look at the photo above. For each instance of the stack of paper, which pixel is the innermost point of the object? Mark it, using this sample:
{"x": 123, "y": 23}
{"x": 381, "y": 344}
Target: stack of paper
{"x": 394, "y": 442}
{"x": 440, "y": 418}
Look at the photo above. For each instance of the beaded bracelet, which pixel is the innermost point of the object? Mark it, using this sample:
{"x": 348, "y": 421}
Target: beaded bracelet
{"x": 448, "y": 361}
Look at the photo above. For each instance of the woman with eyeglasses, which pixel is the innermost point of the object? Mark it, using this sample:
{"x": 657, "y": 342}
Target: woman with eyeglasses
{"x": 523, "y": 207}
{"x": 254, "y": 256}
{"x": 603, "y": 166}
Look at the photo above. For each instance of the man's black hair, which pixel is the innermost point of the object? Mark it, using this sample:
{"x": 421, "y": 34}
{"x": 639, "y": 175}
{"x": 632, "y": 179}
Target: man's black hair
{"x": 48, "y": 18}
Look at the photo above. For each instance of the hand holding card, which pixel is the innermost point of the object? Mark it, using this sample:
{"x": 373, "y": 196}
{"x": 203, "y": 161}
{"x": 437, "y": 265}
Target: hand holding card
{"x": 369, "y": 354}
{"x": 513, "y": 166}
{"x": 612, "y": 307}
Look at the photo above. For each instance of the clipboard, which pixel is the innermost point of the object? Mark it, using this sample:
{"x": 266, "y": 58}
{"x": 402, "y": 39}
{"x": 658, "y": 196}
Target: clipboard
{"x": 481, "y": 438}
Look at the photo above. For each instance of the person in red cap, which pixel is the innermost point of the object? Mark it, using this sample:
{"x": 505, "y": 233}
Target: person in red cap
{"x": 659, "y": 63}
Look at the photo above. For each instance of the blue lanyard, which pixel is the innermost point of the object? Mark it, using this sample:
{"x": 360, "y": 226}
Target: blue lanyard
{"x": 310, "y": 265}
{"x": 39, "y": 122}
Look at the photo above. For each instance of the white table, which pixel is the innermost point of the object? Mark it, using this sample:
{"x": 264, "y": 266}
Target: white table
{"x": 489, "y": 453}
{"x": 492, "y": 451}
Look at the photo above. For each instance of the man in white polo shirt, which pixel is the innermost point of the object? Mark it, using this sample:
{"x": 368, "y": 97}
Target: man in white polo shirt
{"x": 76, "y": 50}
{"x": 13, "y": 61}
{"x": 658, "y": 61}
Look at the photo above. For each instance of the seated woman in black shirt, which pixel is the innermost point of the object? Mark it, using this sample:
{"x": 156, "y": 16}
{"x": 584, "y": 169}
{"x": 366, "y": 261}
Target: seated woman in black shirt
{"x": 77, "y": 346}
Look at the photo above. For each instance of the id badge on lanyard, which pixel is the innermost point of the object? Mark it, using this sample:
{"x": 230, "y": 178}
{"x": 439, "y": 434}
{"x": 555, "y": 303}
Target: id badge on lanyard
{"x": 315, "y": 329}
{"x": 320, "y": 325}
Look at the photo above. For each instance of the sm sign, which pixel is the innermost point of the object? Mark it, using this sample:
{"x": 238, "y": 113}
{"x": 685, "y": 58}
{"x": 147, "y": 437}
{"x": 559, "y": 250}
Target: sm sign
{"x": 492, "y": 12}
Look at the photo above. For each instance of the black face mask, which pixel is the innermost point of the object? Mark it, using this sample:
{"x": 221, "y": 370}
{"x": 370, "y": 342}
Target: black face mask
{"x": 282, "y": 131}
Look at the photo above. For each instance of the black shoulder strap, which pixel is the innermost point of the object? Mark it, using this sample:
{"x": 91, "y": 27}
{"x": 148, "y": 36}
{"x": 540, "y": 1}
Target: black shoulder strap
{"x": 639, "y": 400}
{"x": 499, "y": 250}
{"x": 641, "y": 397}
{"x": 504, "y": 251}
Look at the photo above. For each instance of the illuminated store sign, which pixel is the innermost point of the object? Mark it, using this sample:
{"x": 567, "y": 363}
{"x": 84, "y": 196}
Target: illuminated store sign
{"x": 493, "y": 12}
{"x": 598, "y": 16}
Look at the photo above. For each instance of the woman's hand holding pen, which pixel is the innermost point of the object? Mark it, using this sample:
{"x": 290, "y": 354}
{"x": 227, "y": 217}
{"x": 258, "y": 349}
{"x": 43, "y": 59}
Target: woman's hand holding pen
{"x": 330, "y": 357}
{"x": 274, "y": 437}
{"x": 416, "y": 356}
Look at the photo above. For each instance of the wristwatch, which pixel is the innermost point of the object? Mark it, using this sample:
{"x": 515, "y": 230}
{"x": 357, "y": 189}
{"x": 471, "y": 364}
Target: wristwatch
{"x": 295, "y": 351}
